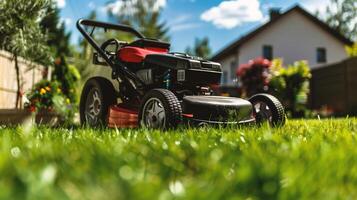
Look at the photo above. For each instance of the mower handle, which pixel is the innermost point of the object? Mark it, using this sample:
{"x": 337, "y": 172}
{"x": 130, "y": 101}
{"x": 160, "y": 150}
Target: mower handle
{"x": 121, "y": 70}
{"x": 118, "y": 27}
{"x": 89, "y": 38}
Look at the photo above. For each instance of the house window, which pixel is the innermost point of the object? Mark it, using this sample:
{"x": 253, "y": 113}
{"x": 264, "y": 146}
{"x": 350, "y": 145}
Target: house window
{"x": 321, "y": 55}
{"x": 233, "y": 69}
{"x": 268, "y": 52}
{"x": 224, "y": 78}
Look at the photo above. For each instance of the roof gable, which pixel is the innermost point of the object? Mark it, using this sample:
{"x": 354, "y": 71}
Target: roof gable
{"x": 236, "y": 44}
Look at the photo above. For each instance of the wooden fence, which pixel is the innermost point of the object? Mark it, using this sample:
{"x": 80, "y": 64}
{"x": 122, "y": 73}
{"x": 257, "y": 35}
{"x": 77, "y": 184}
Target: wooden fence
{"x": 8, "y": 85}
{"x": 335, "y": 87}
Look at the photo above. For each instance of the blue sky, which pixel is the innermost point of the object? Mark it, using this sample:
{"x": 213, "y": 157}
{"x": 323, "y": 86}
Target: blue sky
{"x": 221, "y": 21}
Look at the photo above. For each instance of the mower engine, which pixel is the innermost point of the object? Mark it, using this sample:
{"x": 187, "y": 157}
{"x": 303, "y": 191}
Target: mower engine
{"x": 179, "y": 72}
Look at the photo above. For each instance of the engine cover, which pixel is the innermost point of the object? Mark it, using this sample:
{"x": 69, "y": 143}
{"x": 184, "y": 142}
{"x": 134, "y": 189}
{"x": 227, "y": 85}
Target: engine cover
{"x": 187, "y": 69}
{"x": 180, "y": 61}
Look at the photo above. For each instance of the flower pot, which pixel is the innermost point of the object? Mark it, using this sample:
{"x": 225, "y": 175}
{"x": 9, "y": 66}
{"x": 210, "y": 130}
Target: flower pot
{"x": 48, "y": 117}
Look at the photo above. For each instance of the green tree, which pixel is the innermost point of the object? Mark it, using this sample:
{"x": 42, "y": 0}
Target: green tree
{"x": 342, "y": 16}
{"x": 144, "y": 15}
{"x": 21, "y": 34}
{"x": 58, "y": 39}
{"x": 59, "y": 42}
{"x": 200, "y": 49}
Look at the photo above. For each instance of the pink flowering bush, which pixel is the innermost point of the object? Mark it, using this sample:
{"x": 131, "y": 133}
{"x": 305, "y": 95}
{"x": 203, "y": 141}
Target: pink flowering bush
{"x": 254, "y": 76}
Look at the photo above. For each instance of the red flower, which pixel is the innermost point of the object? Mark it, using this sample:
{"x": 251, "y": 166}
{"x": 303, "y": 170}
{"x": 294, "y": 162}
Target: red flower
{"x": 265, "y": 63}
{"x": 243, "y": 69}
{"x": 256, "y": 63}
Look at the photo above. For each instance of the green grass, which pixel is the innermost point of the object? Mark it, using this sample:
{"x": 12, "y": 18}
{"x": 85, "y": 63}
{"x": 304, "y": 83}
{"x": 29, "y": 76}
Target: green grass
{"x": 306, "y": 159}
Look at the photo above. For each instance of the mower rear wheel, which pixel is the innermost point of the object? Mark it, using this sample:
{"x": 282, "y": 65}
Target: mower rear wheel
{"x": 267, "y": 108}
{"x": 97, "y": 96}
{"x": 160, "y": 109}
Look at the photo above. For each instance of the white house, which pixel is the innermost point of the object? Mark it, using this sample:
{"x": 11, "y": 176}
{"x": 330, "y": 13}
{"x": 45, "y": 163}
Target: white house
{"x": 293, "y": 35}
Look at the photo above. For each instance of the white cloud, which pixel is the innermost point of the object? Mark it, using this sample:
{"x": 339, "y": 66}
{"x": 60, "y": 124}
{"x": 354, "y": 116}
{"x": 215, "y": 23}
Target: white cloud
{"x": 61, "y": 3}
{"x": 315, "y": 5}
{"x": 229, "y": 14}
{"x": 127, "y": 7}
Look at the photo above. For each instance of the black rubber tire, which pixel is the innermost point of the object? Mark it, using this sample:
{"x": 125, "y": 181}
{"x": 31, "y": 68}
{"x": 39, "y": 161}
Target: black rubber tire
{"x": 107, "y": 97}
{"x": 276, "y": 108}
{"x": 171, "y": 105}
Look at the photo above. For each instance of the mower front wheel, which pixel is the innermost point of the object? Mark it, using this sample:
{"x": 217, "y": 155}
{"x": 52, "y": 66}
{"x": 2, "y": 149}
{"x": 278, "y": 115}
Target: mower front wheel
{"x": 267, "y": 108}
{"x": 98, "y": 95}
{"x": 160, "y": 109}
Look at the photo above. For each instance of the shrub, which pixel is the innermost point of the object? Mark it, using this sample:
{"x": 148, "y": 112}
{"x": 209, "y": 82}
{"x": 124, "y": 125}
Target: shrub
{"x": 254, "y": 76}
{"x": 291, "y": 86}
{"x": 68, "y": 76}
{"x": 352, "y": 50}
{"x": 48, "y": 96}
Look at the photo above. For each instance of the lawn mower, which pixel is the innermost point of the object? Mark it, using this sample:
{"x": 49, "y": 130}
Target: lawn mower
{"x": 154, "y": 88}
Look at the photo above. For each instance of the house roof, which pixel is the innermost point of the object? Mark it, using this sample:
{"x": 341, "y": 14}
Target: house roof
{"x": 231, "y": 47}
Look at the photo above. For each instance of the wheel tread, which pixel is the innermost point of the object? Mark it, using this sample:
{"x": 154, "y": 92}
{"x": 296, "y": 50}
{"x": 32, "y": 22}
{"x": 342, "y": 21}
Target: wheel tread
{"x": 109, "y": 98}
{"x": 278, "y": 111}
{"x": 174, "y": 106}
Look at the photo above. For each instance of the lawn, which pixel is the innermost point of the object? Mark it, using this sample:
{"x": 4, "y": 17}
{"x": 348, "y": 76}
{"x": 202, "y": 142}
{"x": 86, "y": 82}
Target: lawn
{"x": 306, "y": 159}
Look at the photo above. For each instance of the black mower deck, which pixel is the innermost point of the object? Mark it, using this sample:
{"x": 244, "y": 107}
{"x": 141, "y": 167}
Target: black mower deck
{"x": 218, "y": 108}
